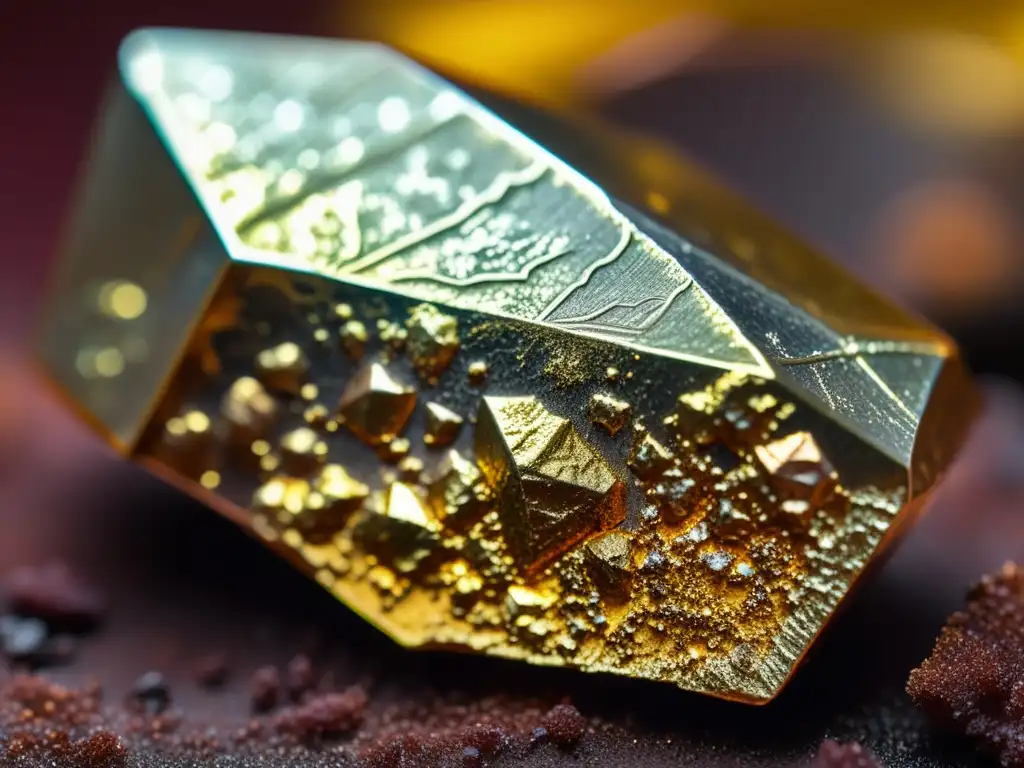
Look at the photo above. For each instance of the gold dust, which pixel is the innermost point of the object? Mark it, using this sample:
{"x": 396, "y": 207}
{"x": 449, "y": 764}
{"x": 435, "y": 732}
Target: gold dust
{"x": 401, "y": 529}
{"x": 210, "y": 479}
{"x": 525, "y": 601}
{"x": 710, "y": 398}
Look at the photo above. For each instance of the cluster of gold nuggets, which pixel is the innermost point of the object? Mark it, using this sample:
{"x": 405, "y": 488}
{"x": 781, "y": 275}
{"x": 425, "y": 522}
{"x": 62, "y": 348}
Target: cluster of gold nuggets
{"x": 514, "y": 542}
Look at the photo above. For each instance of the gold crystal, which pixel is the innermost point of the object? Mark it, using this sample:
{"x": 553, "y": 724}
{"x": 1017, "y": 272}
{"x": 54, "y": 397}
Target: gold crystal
{"x": 302, "y": 451}
{"x": 375, "y": 406}
{"x": 610, "y": 413}
{"x": 401, "y": 530}
{"x": 248, "y": 409}
{"x": 611, "y": 561}
{"x": 284, "y": 367}
{"x": 443, "y": 426}
{"x": 432, "y": 341}
{"x": 353, "y": 338}
{"x": 552, "y": 488}
{"x": 456, "y": 493}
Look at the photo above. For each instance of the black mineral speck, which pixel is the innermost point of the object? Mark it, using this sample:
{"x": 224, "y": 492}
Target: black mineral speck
{"x": 151, "y": 693}
{"x": 265, "y": 688}
{"x": 23, "y": 639}
{"x": 654, "y": 561}
{"x": 298, "y": 677}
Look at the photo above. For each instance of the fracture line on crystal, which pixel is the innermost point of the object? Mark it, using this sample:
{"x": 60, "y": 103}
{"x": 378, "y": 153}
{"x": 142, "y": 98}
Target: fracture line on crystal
{"x": 503, "y": 183}
{"x": 854, "y": 349}
{"x": 583, "y": 322}
{"x": 615, "y": 253}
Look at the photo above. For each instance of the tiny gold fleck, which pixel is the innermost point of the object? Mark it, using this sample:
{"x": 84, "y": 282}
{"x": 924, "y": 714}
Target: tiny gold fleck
{"x": 353, "y": 338}
{"x": 410, "y": 469}
{"x": 392, "y": 334}
{"x": 281, "y": 494}
{"x": 283, "y": 367}
{"x": 210, "y": 479}
{"x": 477, "y": 372}
{"x": 309, "y": 391}
{"x": 456, "y": 492}
{"x": 520, "y": 601}
{"x": 302, "y": 451}
{"x": 649, "y": 457}
{"x": 401, "y": 529}
{"x": 432, "y": 341}
{"x": 343, "y": 312}
{"x": 443, "y": 426}
{"x": 394, "y": 450}
{"x": 610, "y": 413}
{"x": 316, "y": 415}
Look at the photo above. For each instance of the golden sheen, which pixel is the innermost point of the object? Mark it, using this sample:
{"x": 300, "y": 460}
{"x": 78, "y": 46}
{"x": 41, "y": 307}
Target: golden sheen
{"x": 475, "y": 390}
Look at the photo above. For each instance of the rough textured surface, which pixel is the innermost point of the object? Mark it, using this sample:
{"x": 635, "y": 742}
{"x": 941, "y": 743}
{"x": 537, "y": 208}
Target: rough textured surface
{"x": 832, "y": 754}
{"x": 974, "y": 680}
{"x": 184, "y": 585}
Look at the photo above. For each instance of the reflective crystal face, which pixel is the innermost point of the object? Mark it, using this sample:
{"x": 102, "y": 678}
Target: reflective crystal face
{"x": 475, "y": 393}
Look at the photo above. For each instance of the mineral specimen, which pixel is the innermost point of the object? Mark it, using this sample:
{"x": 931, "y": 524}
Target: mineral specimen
{"x": 452, "y": 370}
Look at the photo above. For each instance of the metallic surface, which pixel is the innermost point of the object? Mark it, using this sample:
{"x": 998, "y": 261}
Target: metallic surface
{"x": 480, "y": 396}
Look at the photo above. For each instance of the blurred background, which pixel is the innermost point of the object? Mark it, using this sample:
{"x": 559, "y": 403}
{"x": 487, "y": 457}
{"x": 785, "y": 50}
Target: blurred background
{"x": 889, "y": 134}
